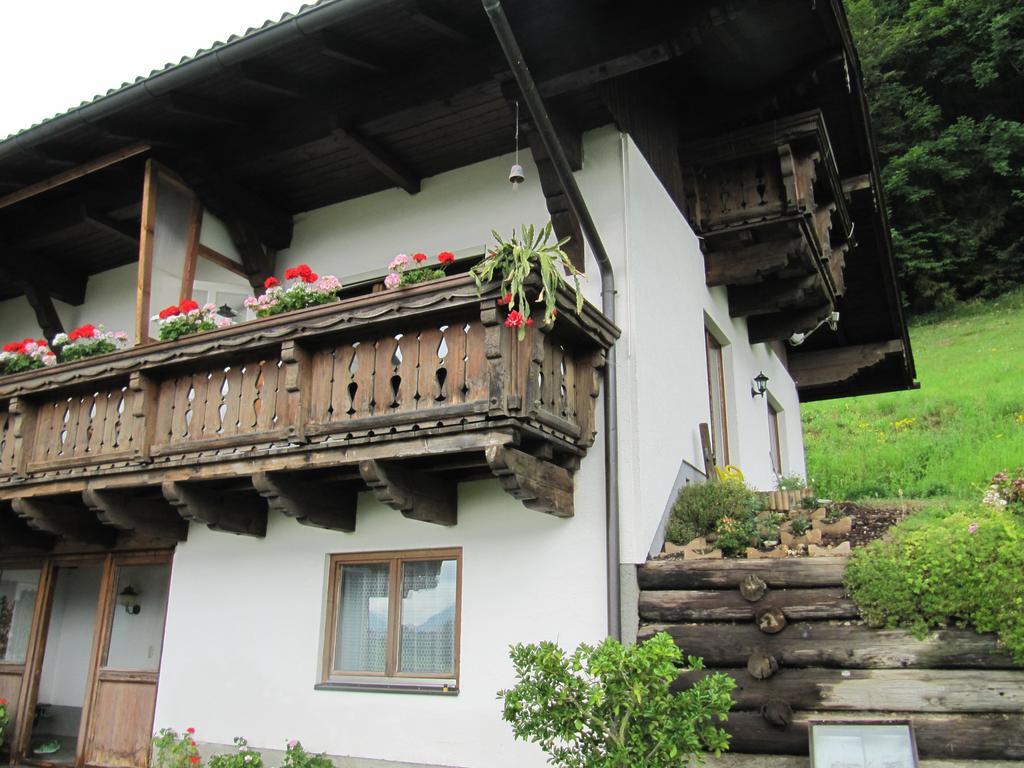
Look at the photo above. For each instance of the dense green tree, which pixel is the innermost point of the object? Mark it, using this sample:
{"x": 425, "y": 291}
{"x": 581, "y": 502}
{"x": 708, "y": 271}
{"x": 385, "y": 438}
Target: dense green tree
{"x": 945, "y": 81}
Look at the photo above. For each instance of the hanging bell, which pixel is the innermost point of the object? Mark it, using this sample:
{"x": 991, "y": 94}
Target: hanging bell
{"x": 515, "y": 176}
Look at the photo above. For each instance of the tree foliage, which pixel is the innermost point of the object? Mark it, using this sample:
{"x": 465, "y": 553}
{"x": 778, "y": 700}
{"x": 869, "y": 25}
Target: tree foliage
{"x": 945, "y": 82}
{"x": 611, "y": 706}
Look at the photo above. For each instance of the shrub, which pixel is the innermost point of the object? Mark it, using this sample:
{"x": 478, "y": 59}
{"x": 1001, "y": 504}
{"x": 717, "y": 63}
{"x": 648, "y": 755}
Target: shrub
{"x": 242, "y": 757}
{"x": 610, "y": 706}
{"x": 5, "y": 719}
{"x": 965, "y": 568}
{"x": 800, "y": 525}
{"x": 810, "y": 502}
{"x": 734, "y": 534}
{"x": 171, "y": 750}
{"x": 700, "y": 506}
{"x": 297, "y": 757}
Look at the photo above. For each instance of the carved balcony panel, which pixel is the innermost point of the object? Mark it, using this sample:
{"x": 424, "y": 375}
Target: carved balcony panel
{"x": 769, "y": 206}
{"x": 396, "y": 392}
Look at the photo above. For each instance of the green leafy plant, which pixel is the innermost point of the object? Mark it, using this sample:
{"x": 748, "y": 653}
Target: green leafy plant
{"x": 810, "y": 502}
{"x": 242, "y": 757}
{"x": 297, "y": 757}
{"x": 174, "y": 750}
{"x": 700, "y": 506}
{"x": 514, "y": 260}
{"x": 767, "y": 525}
{"x": 305, "y": 289}
{"x": 734, "y": 534}
{"x": 188, "y": 318}
{"x": 26, "y": 355}
{"x": 610, "y": 706}
{"x": 790, "y": 483}
{"x": 800, "y": 525}
{"x": 963, "y": 567}
{"x": 5, "y": 719}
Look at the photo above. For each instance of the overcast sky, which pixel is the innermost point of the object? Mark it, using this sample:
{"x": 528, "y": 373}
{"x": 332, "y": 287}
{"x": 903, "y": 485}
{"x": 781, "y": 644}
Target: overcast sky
{"x": 55, "y": 54}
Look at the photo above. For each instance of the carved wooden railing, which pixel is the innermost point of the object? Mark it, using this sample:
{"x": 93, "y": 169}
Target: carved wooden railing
{"x": 390, "y": 390}
{"x": 769, "y": 205}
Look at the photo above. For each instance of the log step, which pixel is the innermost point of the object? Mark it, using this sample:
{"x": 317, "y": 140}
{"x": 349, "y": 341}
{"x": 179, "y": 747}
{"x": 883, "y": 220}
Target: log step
{"x": 727, "y": 574}
{"x": 858, "y": 690}
{"x": 952, "y": 737}
{"x": 823, "y": 644}
{"x": 720, "y": 605}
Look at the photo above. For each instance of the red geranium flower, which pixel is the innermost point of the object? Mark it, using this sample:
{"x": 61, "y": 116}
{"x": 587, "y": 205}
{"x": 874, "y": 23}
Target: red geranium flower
{"x": 271, "y": 282}
{"x": 529, "y": 322}
{"x": 310, "y": 277}
{"x": 190, "y": 730}
{"x": 188, "y": 305}
{"x": 514, "y": 320}
{"x": 446, "y": 257}
{"x": 194, "y": 759}
{"x": 506, "y": 299}
{"x": 168, "y": 312}
{"x": 41, "y": 342}
{"x": 14, "y": 346}
{"x": 86, "y": 331}
{"x": 418, "y": 257}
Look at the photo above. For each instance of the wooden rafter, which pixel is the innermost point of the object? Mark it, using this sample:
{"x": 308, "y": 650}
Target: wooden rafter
{"x": 205, "y": 109}
{"x": 432, "y": 16}
{"x": 219, "y": 510}
{"x": 834, "y": 366}
{"x": 752, "y": 263}
{"x": 274, "y": 81}
{"x": 309, "y": 501}
{"x": 381, "y": 158}
{"x": 781, "y": 325}
{"x": 417, "y": 495}
{"x": 65, "y": 520}
{"x": 336, "y": 47}
{"x": 16, "y": 534}
{"x": 126, "y": 511}
{"x": 775, "y": 295}
{"x": 539, "y": 484}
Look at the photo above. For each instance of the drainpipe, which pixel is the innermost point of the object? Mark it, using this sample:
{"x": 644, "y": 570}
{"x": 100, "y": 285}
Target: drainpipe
{"x": 556, "y": 152}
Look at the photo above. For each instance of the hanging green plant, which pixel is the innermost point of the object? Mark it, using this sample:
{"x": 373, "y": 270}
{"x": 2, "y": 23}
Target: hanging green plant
{"x": 514, "y": 260}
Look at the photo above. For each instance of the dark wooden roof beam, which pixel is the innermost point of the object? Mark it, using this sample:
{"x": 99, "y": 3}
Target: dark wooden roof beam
{"x": 274, "y": 81}
{"x": 834, "y": 366}
{"x": 333, "y": 46}
{"x": 781, "y": 325}
{"x": 437, "y": 19}
{"x": 381, "y": 158}
{"x": 775, "y": 296}
{"x": 66, "y": 520}
{"x": 204, "y": 109}
{"x": 127, "y": 231}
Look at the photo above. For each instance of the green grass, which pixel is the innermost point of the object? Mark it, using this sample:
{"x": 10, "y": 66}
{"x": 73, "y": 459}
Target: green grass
{"x": 947, "y": 438}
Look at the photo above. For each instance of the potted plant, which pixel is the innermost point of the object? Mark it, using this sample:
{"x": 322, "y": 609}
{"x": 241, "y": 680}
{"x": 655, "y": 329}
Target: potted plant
{"x": 5, "y": 719}
{"x": 306, "y": 289}
{"x": 399, "y": 276}
{"x": 26, "y": 355}
{"x": 187, "y": 318}
{"x": 513, "y": 261}
{"x": 87, "y": 341}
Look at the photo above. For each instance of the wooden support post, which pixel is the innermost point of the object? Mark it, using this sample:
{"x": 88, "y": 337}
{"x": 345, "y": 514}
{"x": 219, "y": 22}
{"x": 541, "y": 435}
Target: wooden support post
{"x": 309, "y": 501}
{"x": 42, "y": 304}
{"x": 127, "y": 512}
{"x": 417, "y": 495}
{"x": 147, "y": 229}
{"x": 297, "y": 371}
{"x": 539, "y": 484}
{"x": 66, "y": 521}
{"x": 219, "y": 511}
{"x": 15, "y": 534}
{"x": 143, "y": 393}
{"x": 503, "y": 395}
{"x": 23, "y": 429}
{"x": 378, "y": 156}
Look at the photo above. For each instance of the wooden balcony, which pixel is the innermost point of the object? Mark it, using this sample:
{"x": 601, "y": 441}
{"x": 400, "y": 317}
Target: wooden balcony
{"x": 405, "y": 393}
{"x": 769, "y": 205}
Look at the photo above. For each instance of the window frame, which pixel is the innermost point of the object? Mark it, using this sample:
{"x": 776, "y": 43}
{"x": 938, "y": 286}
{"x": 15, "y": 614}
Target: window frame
{"x": 775, "y": 437}
{"x": 721, "y": 451}
{"x": 392, "y": 679}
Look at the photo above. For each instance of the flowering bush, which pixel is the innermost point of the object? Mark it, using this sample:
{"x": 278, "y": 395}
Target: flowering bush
{"x": 242, "y": 757}
{"x": 514, "y": 260}
{"x": 25, "y": 355}
{"x": 296, "y": 757}
{"x": 420, "y": 272}
{"x": 171, "y": 750}
{"x": 187, "y": 318}
{"x": 1006, "y": 489}
{"x": 307, "y": 289}
{"x": 88, "y": 340}
{"x": 5, "y": 718}
{"x": 734, "y": 534}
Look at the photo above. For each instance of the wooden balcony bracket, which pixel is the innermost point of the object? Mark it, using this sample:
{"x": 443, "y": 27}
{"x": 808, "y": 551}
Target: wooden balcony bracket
{"x": 219, "y": 510}
{"x": 539, "y": 484}
{"x": 417, "y": 495}
{"x": 312, "y": 502}
{"x": 65, "y": 520}
{"x": 126, "y": 511}
{"x": 15, "y": 533}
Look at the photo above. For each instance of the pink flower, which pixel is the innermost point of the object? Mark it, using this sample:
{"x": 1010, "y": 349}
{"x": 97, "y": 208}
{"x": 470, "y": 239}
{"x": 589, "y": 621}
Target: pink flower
{"x": 329, "y": 284}
{"x": 397, "y": 263}
{"x": 972, "y": 528}
{"x": 292, "y": 743}
{"x": 392, "y": 280}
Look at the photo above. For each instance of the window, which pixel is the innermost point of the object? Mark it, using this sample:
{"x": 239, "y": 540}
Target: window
{"x": 774, "y": 444}
{"x": 716, "y": 397}
{"x": 393, "y": 621}
{"x": 18, "y": 587}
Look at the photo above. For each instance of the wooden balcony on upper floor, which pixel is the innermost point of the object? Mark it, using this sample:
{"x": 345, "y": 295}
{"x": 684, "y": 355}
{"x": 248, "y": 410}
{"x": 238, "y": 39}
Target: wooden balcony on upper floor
{"x": 404, "y": 393}
{"x": 769, "y": 205}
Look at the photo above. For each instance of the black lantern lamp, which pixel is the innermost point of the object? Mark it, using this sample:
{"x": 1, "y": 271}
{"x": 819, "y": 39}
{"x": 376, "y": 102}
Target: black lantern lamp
{"x": 129, "y": 599}
{"x": 760, "y": 385}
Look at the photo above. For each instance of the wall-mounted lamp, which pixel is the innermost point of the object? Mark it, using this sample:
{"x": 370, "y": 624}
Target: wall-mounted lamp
{"x": 129, "y": 599}
{"x": 760, "y": 385}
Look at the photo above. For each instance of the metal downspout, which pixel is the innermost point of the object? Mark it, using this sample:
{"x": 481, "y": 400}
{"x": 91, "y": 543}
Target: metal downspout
{"x": 555, "y": 151}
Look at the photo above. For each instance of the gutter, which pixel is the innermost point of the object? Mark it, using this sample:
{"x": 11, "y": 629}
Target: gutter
{"x": 546, "y": 130}
{"x": 204, "y": 65}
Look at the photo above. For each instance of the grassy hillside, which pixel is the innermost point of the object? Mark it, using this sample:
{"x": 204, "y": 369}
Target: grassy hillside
{"x": 944, "y": 440}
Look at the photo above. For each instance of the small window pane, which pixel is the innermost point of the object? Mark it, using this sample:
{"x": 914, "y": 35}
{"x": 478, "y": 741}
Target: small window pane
{"x": 136, "y": 636}
{"x": 362, "y": 631}
{"x": 18, "y": 588}
{"x": 428, "y": 618}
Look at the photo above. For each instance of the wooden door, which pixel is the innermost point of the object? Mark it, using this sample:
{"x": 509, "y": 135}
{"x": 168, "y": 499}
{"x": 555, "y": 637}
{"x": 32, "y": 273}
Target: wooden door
{"x": 118, "y": 722}
{"x": 22, "y": 595}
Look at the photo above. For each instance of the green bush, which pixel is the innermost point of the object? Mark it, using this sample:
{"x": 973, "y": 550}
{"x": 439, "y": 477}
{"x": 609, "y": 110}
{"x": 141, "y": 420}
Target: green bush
{"x": 964, "y": 568}
{"x": 800, "y": 525}
{"x": 700, "y": 506}
{"x": 611, "y": 706}
{"x": 734, "y": 534}
{"x": 174, "y": 750}
{"x": 297, "y": 757}
{"x": 242, "y": 757}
